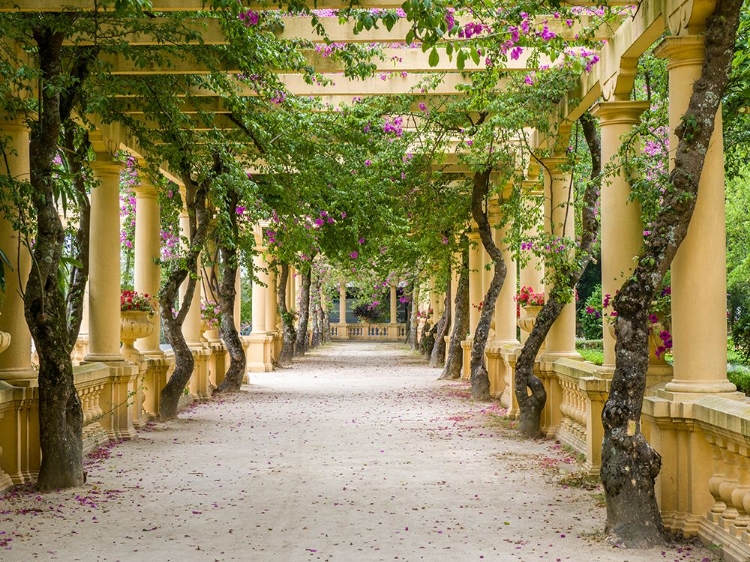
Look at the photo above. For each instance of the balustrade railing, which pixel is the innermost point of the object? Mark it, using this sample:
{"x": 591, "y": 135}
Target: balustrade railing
{"x": 368, "y": 332}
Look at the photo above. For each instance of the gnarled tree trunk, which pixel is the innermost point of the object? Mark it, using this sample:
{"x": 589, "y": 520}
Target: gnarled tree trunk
{"x": 480, "y": 380}
{"x": 529, "y": 389}
{"x": 437, "y": 357}
{"x": 289, "y": 334}
{"x": 300, "y": 343}
{"x": 196, "y": 202}
{"x": 454, "y": 359}
{"x": 227, "y": 294}
{"x": 629, "y": 464}
{"x": 317, "y": 312}
{"x": 413, "y": 318}
{"x": 60, "y": 411}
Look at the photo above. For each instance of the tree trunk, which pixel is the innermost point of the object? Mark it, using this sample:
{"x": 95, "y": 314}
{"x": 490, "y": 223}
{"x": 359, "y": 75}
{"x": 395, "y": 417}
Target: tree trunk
{"x": 629, "y": 464}
{"x": 227, "y": 294}
{"x": 197, "y": 205}
{"x": 317, "y": 311}
{"x": 454, "y": 359}
{"x": 289, "y": 334}
{"x": 300, "y": 344}
{"x": 413, "y": 318}
{"x": 60, "y": 412}
{"x": 437, "y": 358}
{"x": 79, "y": 274}
{"x": 480, "y": 380}
{"x": 529, "y": 389}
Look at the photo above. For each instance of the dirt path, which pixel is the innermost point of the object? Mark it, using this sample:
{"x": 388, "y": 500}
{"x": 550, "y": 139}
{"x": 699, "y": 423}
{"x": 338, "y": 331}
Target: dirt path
{"x": 353, "y": 453}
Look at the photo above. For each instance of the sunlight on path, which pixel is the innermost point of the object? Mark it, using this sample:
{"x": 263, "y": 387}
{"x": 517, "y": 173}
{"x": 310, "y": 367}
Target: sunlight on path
{"x": 355, "y": 452}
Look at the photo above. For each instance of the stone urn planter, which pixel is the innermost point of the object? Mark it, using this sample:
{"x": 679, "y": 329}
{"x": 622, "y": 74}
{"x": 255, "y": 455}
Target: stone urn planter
{"x": 134, "y": 324}
{"x": 4, "y": 341}
{"x": 527, "y": 321}
{"x": 654, "y": 342}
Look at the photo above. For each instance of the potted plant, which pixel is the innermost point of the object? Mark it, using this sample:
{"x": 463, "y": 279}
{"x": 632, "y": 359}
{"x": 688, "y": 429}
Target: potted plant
{"x": 531, "y": 303}
{"x": 136, "y": 313}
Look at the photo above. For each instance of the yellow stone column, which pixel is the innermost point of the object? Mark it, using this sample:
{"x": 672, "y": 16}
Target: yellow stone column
{"x": 475, "y": 280}
{"x": 393, "y": 305}
{"x": 259, "y": 343}
{"x": 505, "y": 308}
{"x": 532, "y": 272}
{"x": 342, "y": 310}
{"x": 15, "y": 361}
{"x": 238, "y": 300}
{"x": 434, "y": 301}
{"x": 147, "y": 249}
{"x": 272, "y": 315}
{"x": 559, "y": 220}
{"x": 104, "y": 301}
{"x": 191, "y": 327}
{"x": 699, "y": 267}
{"x": 621, "y": 225}
{"x": 104, "y": 276}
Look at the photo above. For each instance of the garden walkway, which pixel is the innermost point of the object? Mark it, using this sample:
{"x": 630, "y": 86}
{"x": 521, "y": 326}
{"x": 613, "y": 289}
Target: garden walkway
{"x": 353, "y": 453}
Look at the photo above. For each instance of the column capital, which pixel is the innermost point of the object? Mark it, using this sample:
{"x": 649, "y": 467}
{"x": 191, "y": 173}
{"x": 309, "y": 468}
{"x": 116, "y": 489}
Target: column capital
{"x": 106, "y": 165}
{"x": 619, "y": 112}
{"x": 145, "y": 191}
{"x": 679, "y": 51}
{"x": 553, "y": 163}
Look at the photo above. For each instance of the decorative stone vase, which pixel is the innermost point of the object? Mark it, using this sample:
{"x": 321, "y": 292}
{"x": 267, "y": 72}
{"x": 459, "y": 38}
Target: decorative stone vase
{"x": 654, "y": 341}
{"x": 134, "y": 324}
{"x": 4, "y": 341}
{"x": 527, "y": 321}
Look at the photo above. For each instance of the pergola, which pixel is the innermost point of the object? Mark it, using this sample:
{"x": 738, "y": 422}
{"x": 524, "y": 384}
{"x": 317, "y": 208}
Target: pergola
{"x": 691, "y": 414}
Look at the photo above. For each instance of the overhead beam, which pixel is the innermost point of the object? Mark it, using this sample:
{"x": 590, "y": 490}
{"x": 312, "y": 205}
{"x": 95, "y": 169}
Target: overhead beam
{"x": 299, "y": 27}
{"x": 178, "y": 5}
{"x": 395, "y": 60}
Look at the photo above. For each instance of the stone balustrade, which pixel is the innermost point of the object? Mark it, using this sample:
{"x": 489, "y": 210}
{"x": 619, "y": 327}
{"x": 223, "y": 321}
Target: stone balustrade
{"x": 704, "y": 441}
{"x": 368, "y": 332}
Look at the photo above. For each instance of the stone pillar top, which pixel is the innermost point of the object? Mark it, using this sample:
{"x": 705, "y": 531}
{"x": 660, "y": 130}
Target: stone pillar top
{"x": 553, "y": 163}
{"x": 678, "y": 51}
{"x": 619, "y": 112}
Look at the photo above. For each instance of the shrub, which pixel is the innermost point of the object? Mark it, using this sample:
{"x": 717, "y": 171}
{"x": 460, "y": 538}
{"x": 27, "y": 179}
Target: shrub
{"x": 591, "y": 315}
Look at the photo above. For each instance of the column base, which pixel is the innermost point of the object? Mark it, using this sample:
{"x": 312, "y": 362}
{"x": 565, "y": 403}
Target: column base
{"x": 702, "y": 387}
{"x": 103, "y": 358}
{"x": 259, "y": 351}
{"x": 24, "y": 377}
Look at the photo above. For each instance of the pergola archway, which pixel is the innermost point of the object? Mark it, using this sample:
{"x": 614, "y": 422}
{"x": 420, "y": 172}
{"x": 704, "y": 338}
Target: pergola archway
{"x": 693, "y": 414}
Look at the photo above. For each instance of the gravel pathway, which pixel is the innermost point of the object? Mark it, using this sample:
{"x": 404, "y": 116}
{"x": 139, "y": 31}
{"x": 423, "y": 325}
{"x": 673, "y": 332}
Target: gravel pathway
{"x": 355, "y": 452}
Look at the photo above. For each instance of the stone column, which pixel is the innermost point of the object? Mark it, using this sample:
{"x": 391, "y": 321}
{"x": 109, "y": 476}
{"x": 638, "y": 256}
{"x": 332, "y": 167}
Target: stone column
{"x": 475, "y": 280}
{"x": 621, "y": 226}
{"x": 259, "y": 343}
{"x": 434, "y": 301}
{"x": 271, "y": 305}
{"x": 532, "y": 273}
{"x": 342, "y": 308}
{"x": 104, "y": 276}
{"x": 259, "y": 295}
{"x": 699, "y": 267}
{"x": 505, "y": 308}
{"x": 561, "y": 340}
{"x": 238, "y": 300}
{"x": 15, "y": 361}
{"x": 394, "y": 305}
{"x": 147, "y": 249}
{"x": 191, "y": 328}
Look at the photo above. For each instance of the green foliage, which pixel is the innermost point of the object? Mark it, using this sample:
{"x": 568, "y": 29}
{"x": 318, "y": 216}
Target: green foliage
{"x": 740, "y": 376}
{"x": 741, "y": 336}
{"x": 590, "y": 315}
